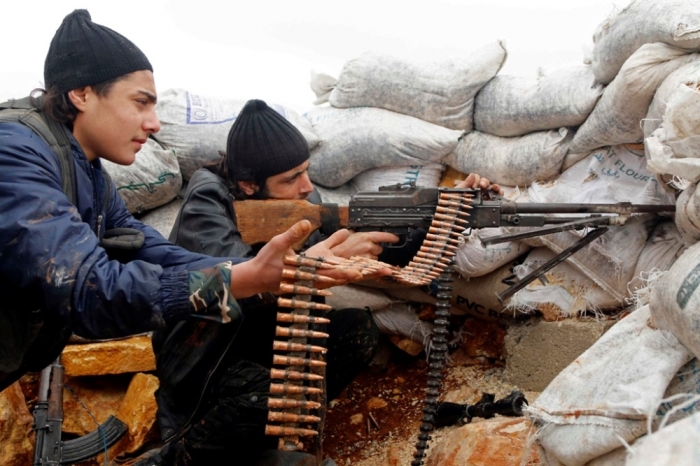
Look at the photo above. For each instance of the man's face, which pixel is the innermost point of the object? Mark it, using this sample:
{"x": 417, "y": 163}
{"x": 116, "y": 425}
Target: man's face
{"x": 293, "y": 184}
{"x": 115, "y": 126}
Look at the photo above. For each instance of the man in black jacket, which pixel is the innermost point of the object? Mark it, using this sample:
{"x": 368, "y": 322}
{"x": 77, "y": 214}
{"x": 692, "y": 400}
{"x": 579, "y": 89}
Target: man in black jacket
{"x": 215, "y": 381}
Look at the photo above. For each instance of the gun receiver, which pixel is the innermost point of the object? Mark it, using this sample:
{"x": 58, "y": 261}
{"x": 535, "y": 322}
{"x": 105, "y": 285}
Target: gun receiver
{"x": 402, "y": 208}
{"x": 410, "y": 206}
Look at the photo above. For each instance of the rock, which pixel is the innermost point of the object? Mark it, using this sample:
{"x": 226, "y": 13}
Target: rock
{"x": 376, "y": 403}
{"x": 537, "y": 351}
{"x": 483, "y": 338}
{"x": 494, "y": 442}
{"x": 394, "y": 455}
{"x": 138, "y": 411}
{"x": 407, "y": 345}
{"x": 16, "y": 435}
{"x": 100, "y": 395}
{"x": 109, "y": 357}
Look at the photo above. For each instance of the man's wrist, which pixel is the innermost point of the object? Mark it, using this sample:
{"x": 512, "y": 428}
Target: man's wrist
{"x": 210, "y": 293}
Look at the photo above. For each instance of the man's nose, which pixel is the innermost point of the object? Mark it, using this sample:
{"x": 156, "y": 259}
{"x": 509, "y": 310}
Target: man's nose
{"x": 306, "y": 185}
{"x": 152, "y": 123}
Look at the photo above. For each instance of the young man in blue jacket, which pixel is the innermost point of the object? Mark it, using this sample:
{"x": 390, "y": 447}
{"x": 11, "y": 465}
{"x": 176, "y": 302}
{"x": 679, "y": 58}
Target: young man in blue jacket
{"x": 55, "y": 277}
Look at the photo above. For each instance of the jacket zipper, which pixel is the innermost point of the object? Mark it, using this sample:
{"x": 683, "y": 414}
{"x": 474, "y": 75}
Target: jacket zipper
{"x": 99, "y": 224}
{"x": 95, "y": 204}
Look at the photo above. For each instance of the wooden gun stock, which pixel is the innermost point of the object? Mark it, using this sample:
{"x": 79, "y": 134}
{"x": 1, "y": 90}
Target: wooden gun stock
{"x": 260, "y": 221}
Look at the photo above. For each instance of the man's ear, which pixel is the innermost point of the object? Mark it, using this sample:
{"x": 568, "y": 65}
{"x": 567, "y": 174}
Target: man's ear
{"x": 78, "y": 97}
{"x": 249, "y": 187}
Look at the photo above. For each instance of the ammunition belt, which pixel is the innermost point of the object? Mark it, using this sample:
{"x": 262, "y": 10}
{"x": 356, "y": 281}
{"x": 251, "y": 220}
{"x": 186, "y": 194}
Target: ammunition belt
{"x": 302, "y": 387}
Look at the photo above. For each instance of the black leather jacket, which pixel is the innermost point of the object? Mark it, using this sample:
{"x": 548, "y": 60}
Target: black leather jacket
{"x": 189, "y": 353}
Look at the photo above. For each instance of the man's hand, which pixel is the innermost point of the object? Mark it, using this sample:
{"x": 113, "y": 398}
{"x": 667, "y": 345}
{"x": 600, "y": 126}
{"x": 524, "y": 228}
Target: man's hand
{"x": 475, "y": 181}
{"x": 347, "y": 244}
{"x": 264, "y": 272}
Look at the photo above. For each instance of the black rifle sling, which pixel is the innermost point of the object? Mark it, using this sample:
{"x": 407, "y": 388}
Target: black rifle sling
{"x": 56, "y": 136}
{"x": 54, "y": 133}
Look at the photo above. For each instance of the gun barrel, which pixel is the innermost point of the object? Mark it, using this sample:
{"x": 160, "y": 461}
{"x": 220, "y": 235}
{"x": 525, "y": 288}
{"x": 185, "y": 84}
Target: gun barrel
{"x": 621, "y": 208}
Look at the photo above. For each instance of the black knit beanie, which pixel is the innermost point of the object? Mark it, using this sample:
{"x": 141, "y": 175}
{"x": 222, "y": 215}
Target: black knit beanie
{"x": 263, "y": 143}
{"x": 83, "y": 53}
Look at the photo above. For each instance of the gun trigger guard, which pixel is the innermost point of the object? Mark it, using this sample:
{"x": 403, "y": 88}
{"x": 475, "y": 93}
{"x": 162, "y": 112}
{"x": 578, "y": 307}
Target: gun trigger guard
{"x": 396, "y": 245}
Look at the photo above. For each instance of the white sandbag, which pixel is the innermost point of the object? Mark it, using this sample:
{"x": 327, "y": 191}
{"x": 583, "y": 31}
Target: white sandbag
{"x": 609, "y": 260}
{"x": 474, "y": 259}
{"x": 470, "y": 296}
{"x": 675, "y": 445}
{"x": 688, "y": 214}
{"x": 567, "y": 291}
{"x": 689, "y": 73}
{"x": 604, "y": 396}
{"x": 348, "y": 296}
{"x": 476, "y": 296}
{"x": 152, "y": 180}
{"x": 340, "y": 195}
{"x": 614, "y": 174}
{"x": 675, "y": 22}
{"x": 322, "y": 85}
{"x": 359, "y": 139}
{"x": 427, "y": 175}
{"x": 674, "y": 303}
{"x": 661, "y": 250}
{"x": 416, "y": 295}
{"x": 439, "y": 92}
{"x": 616, "y": 457}
{"x": 163, "y": 218}
{"x": 196, "y": 127}
{"x": 512, "y": 161}
{"x": 607, "y": 175}
{"x": 401, "y": 319}
{"x": 616, "y": 118}
{"x": 682, "y": 396}
{"x": 673, "y": 149}
{"x": 514, "y": 106}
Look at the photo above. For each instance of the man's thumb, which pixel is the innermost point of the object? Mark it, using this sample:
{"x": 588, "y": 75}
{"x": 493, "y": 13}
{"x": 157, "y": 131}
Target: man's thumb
{"x": 296, "y": 232}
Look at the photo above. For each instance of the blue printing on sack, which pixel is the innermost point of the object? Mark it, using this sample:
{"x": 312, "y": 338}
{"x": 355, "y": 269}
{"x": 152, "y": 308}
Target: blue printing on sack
{"x": 688, "y": 287}
{"x": 197, "y": 113}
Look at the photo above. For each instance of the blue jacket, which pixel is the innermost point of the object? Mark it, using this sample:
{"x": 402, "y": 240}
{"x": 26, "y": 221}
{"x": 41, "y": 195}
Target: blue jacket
{"x": 53, "y": 270}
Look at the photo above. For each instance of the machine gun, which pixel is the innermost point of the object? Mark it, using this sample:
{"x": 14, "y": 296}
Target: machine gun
{"x": 49, "y": 449}
{"x": 448, "y": 413}
{"x": 403, "y": 208}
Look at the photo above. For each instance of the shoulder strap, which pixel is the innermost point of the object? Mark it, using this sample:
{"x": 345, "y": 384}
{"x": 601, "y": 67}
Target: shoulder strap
{"x": 54, "y": 133}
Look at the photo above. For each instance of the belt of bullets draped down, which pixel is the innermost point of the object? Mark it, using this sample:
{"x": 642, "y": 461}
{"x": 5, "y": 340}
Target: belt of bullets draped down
{"x": 297, "y": 402}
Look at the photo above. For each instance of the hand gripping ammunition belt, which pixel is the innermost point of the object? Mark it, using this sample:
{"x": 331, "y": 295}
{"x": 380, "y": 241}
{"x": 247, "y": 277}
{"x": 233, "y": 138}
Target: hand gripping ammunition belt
{"x": 298, "y": 387}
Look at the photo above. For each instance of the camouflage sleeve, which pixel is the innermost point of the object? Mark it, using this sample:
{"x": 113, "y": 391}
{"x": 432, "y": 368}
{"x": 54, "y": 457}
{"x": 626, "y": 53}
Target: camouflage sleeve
{"x": 210, "y": 296}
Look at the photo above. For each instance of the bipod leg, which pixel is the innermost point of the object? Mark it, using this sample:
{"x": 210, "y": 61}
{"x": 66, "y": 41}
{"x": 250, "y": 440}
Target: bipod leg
{"x": 550, "y": 264}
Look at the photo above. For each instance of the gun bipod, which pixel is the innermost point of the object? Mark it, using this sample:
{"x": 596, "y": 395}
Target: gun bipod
{"x": 550, "y": 264}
